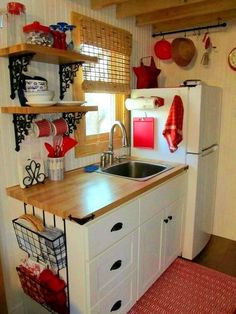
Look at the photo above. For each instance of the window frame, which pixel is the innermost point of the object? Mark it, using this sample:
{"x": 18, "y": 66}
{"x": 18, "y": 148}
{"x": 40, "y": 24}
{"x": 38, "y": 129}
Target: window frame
{"x": 98, "y": 143}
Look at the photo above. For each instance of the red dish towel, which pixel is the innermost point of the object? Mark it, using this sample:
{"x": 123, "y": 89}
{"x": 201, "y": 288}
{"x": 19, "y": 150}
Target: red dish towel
{"x": 174, "y": 124}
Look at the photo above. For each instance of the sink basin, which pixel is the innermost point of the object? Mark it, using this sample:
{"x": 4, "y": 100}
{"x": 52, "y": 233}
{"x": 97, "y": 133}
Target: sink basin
{"x": 136, "y": 170}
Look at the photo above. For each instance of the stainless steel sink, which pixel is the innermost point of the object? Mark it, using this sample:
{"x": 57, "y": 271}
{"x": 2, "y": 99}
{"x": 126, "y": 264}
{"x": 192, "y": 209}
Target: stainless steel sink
{"x": 135, "y": 170}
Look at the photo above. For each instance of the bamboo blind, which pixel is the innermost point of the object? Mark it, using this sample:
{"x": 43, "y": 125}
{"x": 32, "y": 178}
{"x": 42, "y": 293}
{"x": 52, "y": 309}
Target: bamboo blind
{"x": 112, "y": 46}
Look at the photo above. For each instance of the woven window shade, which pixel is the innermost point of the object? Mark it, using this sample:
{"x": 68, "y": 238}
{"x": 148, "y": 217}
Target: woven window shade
{"x": 112, "y": 46}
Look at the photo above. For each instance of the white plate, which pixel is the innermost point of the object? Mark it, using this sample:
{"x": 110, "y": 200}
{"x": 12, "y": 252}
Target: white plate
{"x": 71, "y": 102}
{"x": 41, "y": 103}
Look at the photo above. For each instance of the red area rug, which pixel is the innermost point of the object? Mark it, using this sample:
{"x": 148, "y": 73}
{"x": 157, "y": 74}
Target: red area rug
{"x": 186, "y": 288}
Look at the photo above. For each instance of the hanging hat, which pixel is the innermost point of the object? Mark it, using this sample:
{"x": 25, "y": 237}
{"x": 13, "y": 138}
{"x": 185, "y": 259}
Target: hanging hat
{"x": 183, "y": 51}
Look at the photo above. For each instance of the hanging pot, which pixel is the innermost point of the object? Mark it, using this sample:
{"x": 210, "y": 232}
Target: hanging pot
{"x": 162, "y": 49}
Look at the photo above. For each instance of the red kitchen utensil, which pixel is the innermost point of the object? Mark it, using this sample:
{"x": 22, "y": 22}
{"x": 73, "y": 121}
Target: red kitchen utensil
{"x": 68, "y": 143}
{"x": 50, "y": 149}
{"x": 143, "y": 132}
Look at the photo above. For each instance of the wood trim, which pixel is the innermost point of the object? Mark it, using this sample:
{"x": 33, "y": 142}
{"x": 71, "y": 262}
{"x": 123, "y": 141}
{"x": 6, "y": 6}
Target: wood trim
{"x": 3, "y": 303}
{"x": 176, "y": 24}
{"x": 99, "y": 4}
{"x": 137, "y": 7}
{"x": 185, "y": 12}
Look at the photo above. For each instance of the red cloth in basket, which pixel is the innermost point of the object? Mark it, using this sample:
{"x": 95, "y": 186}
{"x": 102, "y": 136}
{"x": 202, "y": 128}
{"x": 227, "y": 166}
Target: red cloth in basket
{"x": 174, "y": 124}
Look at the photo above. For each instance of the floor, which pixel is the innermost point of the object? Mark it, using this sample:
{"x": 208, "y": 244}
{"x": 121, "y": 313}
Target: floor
{"x": 219, "y": 254}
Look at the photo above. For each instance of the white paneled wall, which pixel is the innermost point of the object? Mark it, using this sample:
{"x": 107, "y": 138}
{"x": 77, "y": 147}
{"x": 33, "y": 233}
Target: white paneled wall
{"x": 46, "y": 12}
{"x": 216, "y": 73}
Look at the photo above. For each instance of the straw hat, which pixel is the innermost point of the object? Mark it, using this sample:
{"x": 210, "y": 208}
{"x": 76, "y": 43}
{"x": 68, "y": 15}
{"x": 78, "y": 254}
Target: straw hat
{"x": 183, "y": 51}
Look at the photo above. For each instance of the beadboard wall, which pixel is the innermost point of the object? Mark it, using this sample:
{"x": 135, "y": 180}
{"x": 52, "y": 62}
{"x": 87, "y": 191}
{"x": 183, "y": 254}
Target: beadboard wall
{"x": 47, "y": 12}
{"x": 217, "y": 73}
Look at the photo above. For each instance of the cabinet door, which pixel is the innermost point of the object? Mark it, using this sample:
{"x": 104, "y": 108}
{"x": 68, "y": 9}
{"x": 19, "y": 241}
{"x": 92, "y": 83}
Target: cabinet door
{"x": 112, "y": 266}
{"x": 172, "y": 225}
{"x": 150, "y": 252}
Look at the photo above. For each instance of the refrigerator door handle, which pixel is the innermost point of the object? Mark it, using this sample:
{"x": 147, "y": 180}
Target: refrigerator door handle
{"x": 209, "y": 151}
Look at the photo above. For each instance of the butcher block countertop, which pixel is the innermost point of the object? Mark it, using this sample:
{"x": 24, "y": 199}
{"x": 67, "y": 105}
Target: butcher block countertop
{"x": 81, "y": 194}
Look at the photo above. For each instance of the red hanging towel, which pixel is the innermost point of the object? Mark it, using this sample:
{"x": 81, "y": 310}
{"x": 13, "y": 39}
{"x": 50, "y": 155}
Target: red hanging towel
{"x": 174, "y": 124}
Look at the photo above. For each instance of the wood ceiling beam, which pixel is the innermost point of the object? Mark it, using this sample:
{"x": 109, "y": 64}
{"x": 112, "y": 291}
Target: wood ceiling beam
{"x": 178, "y": 24}
{"x": 185, "y": 12}
{"x": 137, "y": 7}
{"x": 99, "y": 4}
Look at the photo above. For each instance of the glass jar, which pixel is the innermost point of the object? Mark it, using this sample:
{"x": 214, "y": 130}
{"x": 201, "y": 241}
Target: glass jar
{"x": 16, "y": 19}
{"x": 38, "y": 34}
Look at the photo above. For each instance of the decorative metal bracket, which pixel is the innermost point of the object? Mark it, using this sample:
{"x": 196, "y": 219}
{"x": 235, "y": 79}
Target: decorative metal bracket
{"x": 33, "y": 174}
{"x": 22, "y": 123}
{"x": 72, "y": 118}
{"x": 18, "y": 64}
{"x": 67, "y": 74}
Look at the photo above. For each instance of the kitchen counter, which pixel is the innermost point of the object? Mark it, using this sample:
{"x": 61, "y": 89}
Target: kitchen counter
{"x": 81, "y": 194}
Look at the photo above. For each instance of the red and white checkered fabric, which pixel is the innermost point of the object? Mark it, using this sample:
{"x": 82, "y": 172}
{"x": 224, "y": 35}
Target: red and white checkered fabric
{"x": 173, "y": 131}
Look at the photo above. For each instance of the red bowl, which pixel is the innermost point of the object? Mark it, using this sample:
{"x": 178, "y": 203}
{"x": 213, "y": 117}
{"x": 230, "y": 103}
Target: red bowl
{"x": 162, "y": 49}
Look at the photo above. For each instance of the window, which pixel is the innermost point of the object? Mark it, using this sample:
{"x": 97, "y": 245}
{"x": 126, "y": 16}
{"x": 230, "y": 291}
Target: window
{"x": 93, "y": 130}
{"x": 104, "y": 84}
{"x": 98, "y": 122}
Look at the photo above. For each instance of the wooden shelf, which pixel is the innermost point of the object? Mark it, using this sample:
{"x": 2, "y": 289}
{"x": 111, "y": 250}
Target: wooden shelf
{"x": 51, "y": 109}
{"x": 47, "y": 54}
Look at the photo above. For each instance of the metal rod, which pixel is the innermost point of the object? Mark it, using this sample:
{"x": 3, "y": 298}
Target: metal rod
{"x": 189, "y": 29}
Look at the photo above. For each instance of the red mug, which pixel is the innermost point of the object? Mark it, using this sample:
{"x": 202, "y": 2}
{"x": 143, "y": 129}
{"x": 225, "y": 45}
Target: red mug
{"x": 59, "y": 126}
{"x": 42, "y": 128}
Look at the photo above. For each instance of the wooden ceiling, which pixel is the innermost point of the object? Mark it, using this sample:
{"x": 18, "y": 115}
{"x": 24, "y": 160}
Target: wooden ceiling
{"x": 170, "y": 15}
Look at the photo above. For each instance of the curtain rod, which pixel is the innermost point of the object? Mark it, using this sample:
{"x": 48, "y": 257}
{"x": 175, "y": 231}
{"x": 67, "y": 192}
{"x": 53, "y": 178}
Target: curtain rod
{"x": 189, "y": 29}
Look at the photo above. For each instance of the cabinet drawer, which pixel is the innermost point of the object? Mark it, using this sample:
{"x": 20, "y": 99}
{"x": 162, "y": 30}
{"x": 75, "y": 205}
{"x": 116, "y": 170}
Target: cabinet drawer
{"x": 120, "y": 300}
{"x": 161, "y": 197}
{"x": 109, "y": 268}
{"x": 111, "y": 228}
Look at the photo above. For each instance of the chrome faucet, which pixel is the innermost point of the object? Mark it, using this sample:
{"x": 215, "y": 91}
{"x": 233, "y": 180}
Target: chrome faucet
{"x": 108, "y": 156}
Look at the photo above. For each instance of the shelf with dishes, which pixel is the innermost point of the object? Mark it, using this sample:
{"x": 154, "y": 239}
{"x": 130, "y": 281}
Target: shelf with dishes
{"x": 24, "y": 116}
{"x": 20, "y": 56}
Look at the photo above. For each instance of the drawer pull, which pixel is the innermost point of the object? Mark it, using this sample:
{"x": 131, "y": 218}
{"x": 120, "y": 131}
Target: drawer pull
{"x": 116, "y": 265}
{"x": 170, "y": 217}
{"x": 166, "y": 221}
{"x": 117, "y": 226}
{"x": 116, "y": 306}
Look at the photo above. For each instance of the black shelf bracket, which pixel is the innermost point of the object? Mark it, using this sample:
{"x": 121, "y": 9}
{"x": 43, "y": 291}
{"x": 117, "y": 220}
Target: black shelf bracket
{"x": 67, "y": 74}
{"x": 17, "y": 64}
{"x": 22, "y": 123}
{"x": 72, "y": 118}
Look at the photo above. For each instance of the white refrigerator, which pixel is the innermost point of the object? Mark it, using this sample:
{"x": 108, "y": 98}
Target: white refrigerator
{"x": 198, "y": 149}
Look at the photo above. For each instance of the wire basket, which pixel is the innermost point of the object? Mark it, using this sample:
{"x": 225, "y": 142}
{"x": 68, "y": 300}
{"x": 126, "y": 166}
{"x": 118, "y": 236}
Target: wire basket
{"x": 41, "y": 294}
{"x": 47, "y": 246}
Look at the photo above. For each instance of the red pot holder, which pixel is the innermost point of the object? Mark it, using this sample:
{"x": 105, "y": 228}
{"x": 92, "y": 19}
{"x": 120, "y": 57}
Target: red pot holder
{"x": 147, "y": 75}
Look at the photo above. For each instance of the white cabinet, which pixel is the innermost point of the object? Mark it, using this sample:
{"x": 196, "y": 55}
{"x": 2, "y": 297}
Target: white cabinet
{"x": 160, "y": 235}
{"x": 150, "y": 252}
{"x": 114, "y": 259}
{"x": 172, "y": 227}
{"x": 103, "y": 262}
